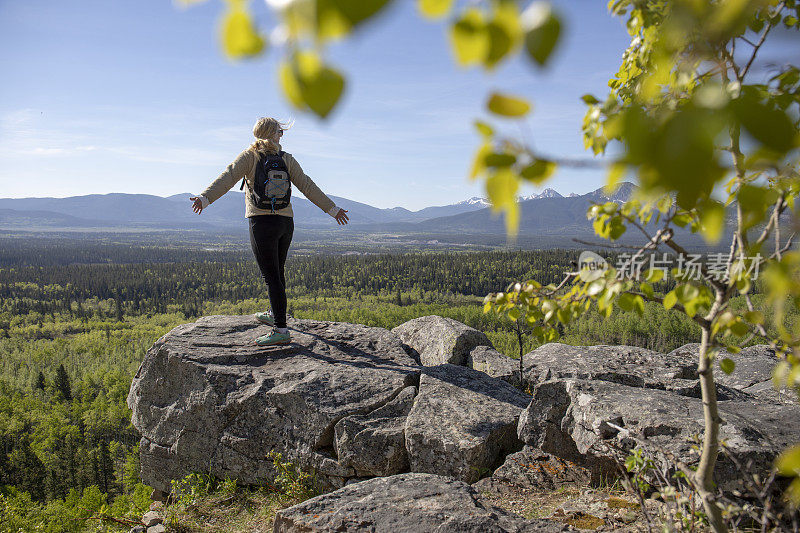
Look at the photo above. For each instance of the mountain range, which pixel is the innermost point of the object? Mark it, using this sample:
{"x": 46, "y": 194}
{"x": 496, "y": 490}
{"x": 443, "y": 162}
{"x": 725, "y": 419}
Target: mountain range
{"x": 144, "y": 210}
{"x": 547, "y": 214}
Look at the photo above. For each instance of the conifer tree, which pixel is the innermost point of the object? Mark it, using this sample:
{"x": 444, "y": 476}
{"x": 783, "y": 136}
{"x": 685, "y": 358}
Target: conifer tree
{"x": 62, "y": 383}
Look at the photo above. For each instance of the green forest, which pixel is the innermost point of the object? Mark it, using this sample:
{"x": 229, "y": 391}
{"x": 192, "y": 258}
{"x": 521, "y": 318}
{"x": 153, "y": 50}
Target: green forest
{"x": 72, "y": 335}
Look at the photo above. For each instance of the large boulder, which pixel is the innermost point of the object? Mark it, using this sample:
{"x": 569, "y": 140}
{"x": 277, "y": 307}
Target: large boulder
{"x": 206, "y": 398}
{"x": 463, "y": 423}
{"x": 489, "y": 361}
{"x": 440, "y": 340}
{"x": 752, "y": 374}
{"x": 596, "y": 423}
{"x": 342, "y": 401}
{"x": 406, "y": 503}
{"x": 374, "y": 444}
{"x": 627, "y": 365}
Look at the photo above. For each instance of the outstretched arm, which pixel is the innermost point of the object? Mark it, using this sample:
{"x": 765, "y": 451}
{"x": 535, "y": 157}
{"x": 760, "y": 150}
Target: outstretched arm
{"x": 232, "y": 174}
{"x": 308, "y": 187}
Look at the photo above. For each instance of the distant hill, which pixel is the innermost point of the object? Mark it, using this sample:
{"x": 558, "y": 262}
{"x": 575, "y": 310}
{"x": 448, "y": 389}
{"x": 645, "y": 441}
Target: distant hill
{"x": 546, "y": 214}
{"x": 32, "y": 218}
{"x": 228, "y": 211}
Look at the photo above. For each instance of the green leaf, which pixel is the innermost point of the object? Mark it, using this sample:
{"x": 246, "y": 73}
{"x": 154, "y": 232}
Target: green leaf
{"x": 670, "y": 300}
{"x": 788, "y": 462}
{"x": 595, "y": 287}
{"x": 495, "y": 160}
{"x": 479, "y": 162}
{"x": 434, "y": 9}
{"x": 682, "y": 219}
{"x": 513, "y": 313}
{"x": 501, "y": 187}
{"x": 727, "y": 365}
{"x": 712, "y": 220}
{"x": 754, "y": 202}
{"x": 589, "y": 99}
{"x": 319, "y": 86}
{"x": 754, "y": 317}
{"x": 542, "y": 30}
{"x": 240, "y": 38}
{"x": 646, "y": 289}
{"x": 484, "y": 129}
{"x": 291, "y": 86}
{"x": 508, "y": 106}
{"x": 626, "y": 301}
{"x": 500, "y": 43}
{"x": 638, "y": 305}
{"x": 768, "y": 125}
{"x": 469, "y": 38}
{"x": 793, "y": 492}
{"x": 654, "y": 275}
{"x": 740, "y": 329}
{"x": 337, "y": 18}
{"x": 538, "y": 171}
{"x": 503, "y": 31}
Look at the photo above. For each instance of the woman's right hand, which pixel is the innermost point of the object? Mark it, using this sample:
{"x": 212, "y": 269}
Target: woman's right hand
{"x": 197, "y": 206}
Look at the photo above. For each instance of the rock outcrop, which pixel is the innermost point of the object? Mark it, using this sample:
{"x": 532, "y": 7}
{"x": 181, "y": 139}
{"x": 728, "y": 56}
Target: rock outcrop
{"x": 626, "y": 365}
{"x": 207, "y": 399}
{"x": 374, "y": 444}
{"x": 349, "y": 402}
{"x": 440, "y": 340}
{"x": 531, "y": 468}
{"x": 406, "y": 503}
{"x": 752, "y": 374}
{"x": 493, "y": 363}
{"x": 592, "y": 405}
{"x": 463, "y": 423}
{"x": 344, "y": 401}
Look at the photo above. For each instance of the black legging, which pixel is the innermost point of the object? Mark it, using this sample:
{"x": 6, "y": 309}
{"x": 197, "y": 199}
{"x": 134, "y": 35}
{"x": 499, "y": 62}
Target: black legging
{"x": 270, "y": 237}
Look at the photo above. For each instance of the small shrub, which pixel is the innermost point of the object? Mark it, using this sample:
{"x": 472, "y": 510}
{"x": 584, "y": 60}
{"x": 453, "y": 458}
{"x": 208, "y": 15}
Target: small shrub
{"x": 292, "y": 484}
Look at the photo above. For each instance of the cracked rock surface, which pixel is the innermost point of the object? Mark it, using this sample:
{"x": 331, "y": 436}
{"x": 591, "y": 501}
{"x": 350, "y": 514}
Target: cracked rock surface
{"x": 207, "y": 399}
{"x": 493, "y": 363}
{"x": 751, "y": 376}
{"x": 626, "y": 365}
{"x": 406, "y": 503}
{"x": 440, "y": 340}
{"x": 593, "y": 422}
{"x": 343, "y": 401}
{"x": 463, "y": 423}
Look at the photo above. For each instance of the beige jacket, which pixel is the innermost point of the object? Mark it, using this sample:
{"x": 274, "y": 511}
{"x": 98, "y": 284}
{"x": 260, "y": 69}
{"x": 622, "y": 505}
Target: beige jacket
{"x": 245, "y": 167}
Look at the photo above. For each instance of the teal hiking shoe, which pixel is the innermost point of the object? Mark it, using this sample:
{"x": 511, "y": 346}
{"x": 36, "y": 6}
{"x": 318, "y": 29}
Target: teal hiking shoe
{"x": 265, "y": 317}
{"x": 274, "y": 338}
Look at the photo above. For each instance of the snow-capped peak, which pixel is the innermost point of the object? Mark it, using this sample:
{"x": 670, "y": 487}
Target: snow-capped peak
{"x": 475, "y": 200}
{"x": 547, "y": 193}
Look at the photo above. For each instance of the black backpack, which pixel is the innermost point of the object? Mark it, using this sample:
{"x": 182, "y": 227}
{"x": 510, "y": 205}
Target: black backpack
{"x": 272, "y": 188}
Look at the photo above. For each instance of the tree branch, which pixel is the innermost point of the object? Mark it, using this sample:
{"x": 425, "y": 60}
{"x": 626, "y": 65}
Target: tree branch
{"x": 678, "y": 307}
{"x": 758, "y": 45}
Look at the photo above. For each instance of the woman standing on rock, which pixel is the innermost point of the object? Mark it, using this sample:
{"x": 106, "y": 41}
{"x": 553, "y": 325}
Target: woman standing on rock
{"x": 268, "y": 173}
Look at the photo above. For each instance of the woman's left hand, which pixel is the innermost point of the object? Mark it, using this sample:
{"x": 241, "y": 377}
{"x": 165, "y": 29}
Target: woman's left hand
{"x": 341, "y": 217}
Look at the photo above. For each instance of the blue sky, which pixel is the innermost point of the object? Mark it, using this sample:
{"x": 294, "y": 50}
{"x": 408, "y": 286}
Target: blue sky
{"x": 136, "y": 96}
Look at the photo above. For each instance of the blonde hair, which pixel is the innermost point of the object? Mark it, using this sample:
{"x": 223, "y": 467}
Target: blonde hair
{"x": 266, "y": 130}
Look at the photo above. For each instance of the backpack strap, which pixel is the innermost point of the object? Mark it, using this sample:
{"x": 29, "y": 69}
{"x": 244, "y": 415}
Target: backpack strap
{"x": 244, "y": 180}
